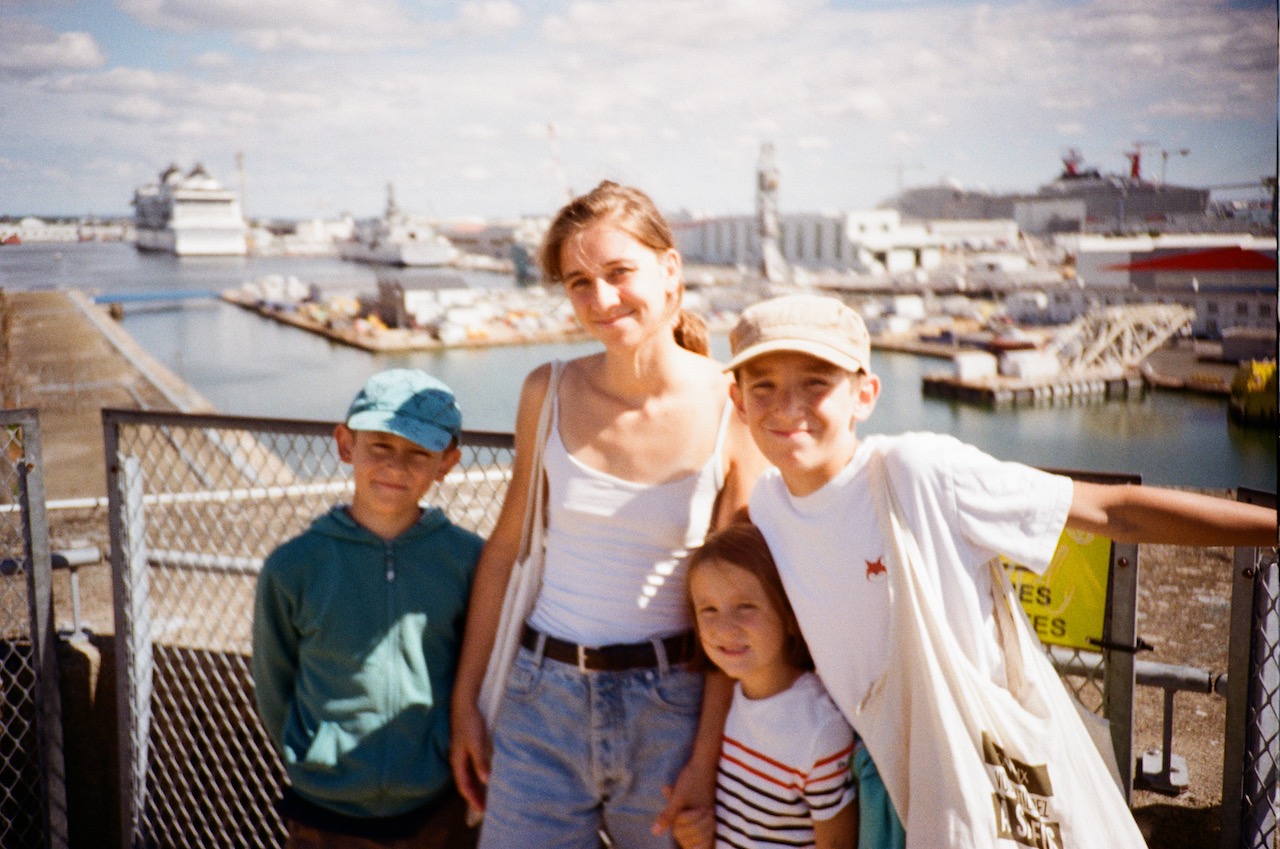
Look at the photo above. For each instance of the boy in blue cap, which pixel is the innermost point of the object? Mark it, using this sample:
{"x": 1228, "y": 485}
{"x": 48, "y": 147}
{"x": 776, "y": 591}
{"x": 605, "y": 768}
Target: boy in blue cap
{"x": 356, "y": 632}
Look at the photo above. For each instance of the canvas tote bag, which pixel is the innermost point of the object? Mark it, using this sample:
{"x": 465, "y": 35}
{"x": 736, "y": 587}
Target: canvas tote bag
{"x": 969, "y": 763}
{"x": 526, "y": 573}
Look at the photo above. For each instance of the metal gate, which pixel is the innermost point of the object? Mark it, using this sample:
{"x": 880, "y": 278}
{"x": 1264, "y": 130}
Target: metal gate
{"x": 33, "y": 805}
{"x": 196, "y": 503}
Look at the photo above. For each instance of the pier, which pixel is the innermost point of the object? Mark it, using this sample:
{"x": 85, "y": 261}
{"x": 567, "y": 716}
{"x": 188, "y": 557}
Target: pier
{"x": 385, "y": 340}
{"x": 1009, "y": 391}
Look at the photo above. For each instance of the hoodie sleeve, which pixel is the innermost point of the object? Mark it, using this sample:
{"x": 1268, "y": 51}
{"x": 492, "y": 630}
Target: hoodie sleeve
{"x": 275, "y": 652}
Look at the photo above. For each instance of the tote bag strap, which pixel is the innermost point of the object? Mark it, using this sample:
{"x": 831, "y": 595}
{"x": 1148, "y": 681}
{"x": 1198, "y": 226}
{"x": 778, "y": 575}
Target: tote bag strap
{"x": 1008, "y": 634}
{"x": 525, "y": 581}
{"x": 534, "y": 520}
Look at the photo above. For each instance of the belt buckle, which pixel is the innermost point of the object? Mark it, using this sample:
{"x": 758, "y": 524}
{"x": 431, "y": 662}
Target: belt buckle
{"x": 582, "y": 658}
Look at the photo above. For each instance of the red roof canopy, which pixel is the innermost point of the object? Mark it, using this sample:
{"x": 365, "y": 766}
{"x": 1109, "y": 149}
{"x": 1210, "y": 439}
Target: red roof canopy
{"x": 1215, "y": 259}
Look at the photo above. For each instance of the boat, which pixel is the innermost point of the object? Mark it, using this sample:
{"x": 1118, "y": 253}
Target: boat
{"x": 1253, "y": 393}
{"x": 189, "y": 214}
{"x": 397, "y": 238}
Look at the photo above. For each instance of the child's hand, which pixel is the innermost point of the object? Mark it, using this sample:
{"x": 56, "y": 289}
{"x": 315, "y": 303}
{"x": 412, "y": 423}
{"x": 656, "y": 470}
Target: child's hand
{"x": 695, "y": 828}
{"x": 469, "y": 754}
{"x": 692, "y": 827}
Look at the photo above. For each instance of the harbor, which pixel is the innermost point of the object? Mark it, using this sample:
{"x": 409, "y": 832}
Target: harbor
{"x": 1010, "y": 366}
{"x": 995, "y": 306}
{"x": 243, "y": 363}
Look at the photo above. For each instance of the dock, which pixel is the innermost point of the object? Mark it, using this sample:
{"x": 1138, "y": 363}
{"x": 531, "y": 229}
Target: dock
{"x": 1003, "y": 391}
{"x": 384, "y": 340}
{"x": 68, "y": 359}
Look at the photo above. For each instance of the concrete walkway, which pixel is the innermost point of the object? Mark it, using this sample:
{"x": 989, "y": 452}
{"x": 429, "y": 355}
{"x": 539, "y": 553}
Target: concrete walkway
{"x": 69, "y": 359}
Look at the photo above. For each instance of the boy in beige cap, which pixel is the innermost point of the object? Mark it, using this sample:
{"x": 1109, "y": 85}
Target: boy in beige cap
{"x": 803, "y": 383}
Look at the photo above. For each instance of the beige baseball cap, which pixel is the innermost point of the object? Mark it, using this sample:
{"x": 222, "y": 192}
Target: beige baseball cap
{"x": 817, "y": 325}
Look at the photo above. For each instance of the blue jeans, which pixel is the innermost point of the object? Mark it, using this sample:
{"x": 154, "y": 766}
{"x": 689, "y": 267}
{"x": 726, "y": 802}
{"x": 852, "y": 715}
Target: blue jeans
{"x": 578, "y": 752}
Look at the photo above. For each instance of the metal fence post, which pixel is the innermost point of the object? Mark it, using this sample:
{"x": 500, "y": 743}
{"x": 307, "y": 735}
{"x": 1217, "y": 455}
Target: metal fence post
{"x": 1119, "y": 665}
{"x": 31, "y": 680}
{"x": 127, "y": 650}
{"x": 43, "y": 634}
{"x": 1119, "y": 643}
{"x": 1251, "y": 751}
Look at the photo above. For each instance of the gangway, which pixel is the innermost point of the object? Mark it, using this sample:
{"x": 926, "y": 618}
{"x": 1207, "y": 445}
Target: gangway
{"x": 1110, "y": 341}
{"x": 165, "y": 296}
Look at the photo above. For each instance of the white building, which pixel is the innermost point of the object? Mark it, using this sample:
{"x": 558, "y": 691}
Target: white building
{"x": 32, "y": 229}
{"x": 1229, "y": 279}
{"x": 874, "y": 241}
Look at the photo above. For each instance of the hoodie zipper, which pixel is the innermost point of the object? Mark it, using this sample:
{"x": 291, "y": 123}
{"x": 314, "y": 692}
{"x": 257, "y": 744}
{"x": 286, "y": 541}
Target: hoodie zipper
{"x": 389, "y": 560}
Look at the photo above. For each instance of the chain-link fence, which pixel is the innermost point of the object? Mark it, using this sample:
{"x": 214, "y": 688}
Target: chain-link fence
{"x": 196, "y": 503}
{"x": 1251, "y": 755}
{"x": 33, "y": 809}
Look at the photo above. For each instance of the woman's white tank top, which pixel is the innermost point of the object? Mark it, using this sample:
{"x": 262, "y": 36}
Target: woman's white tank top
{"x": 616, "y": 550}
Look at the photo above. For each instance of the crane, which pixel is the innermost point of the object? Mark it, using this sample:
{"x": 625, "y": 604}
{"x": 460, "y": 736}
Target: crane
{"x": 1135, "y": 158}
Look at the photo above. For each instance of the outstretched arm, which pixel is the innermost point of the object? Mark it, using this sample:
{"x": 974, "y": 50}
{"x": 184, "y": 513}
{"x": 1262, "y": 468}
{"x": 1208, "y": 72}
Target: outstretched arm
{"x": 1129, "y": 513}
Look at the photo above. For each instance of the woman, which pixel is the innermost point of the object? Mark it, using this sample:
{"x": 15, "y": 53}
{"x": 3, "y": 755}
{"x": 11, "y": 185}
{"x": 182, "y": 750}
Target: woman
{"x": 643, "y": 456}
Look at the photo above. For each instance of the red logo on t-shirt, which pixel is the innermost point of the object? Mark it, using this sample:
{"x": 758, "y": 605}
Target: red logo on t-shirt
{"x": 875, "y": 567}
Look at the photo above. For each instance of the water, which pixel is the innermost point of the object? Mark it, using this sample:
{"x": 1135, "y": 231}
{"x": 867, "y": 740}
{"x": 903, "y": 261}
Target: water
{"x": 247, "y": 365}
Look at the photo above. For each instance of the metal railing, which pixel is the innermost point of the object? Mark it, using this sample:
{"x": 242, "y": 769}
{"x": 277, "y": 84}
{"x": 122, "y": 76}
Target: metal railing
{"x": 33, "y": 804}
{"x": 196, "y": 503}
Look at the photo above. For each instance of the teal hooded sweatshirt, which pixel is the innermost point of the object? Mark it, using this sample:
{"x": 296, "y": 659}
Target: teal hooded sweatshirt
{"x": 355, "y": 648}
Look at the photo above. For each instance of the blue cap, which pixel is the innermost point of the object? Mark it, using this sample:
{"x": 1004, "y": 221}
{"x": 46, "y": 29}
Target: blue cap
{"x": 409, "y": 403}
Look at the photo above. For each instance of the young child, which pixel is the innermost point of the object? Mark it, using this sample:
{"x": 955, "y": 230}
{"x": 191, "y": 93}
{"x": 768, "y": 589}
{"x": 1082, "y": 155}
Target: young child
{"x": 802, "y": 384}
{"x": 357, "y": 629}
{"x": 785, "y": 762}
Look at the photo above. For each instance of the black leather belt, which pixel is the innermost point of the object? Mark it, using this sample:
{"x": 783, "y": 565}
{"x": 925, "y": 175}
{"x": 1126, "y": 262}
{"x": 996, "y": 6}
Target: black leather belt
{"x": 615, "y": 658}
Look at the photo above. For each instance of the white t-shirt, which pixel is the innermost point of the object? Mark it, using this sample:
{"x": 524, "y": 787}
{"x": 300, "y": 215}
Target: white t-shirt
{"x": 964, "y": 506}
{"x": 785, "y": 762}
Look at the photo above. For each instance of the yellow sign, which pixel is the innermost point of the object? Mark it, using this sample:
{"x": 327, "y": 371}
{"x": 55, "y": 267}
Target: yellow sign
{"x": 1067, "y": 604}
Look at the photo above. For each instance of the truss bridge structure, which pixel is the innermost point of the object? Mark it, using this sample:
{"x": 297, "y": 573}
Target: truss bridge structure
{"x": 1110, "y": 341}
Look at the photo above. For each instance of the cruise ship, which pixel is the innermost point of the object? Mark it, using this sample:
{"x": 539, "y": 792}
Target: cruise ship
{"x": 189, "y": 214}
{"x": 397, "y": 238}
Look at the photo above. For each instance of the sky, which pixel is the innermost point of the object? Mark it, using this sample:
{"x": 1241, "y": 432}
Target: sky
{"x": 498, "y": 108}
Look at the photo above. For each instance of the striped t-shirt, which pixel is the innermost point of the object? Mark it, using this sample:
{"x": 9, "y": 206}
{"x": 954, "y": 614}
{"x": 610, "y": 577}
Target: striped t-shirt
{"x": 784, "y": 763}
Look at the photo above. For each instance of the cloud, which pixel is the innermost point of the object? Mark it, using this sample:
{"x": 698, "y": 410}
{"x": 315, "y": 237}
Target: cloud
{"x": 451, "y": 100}
{"x": 212, "y": 59}
{"x": 489, "y": 17}
{"x": 665, "y": 25}
{"x": 271, "y": 25}
{"x": 29, "y": 50}
{"x": 136, "y": 108}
